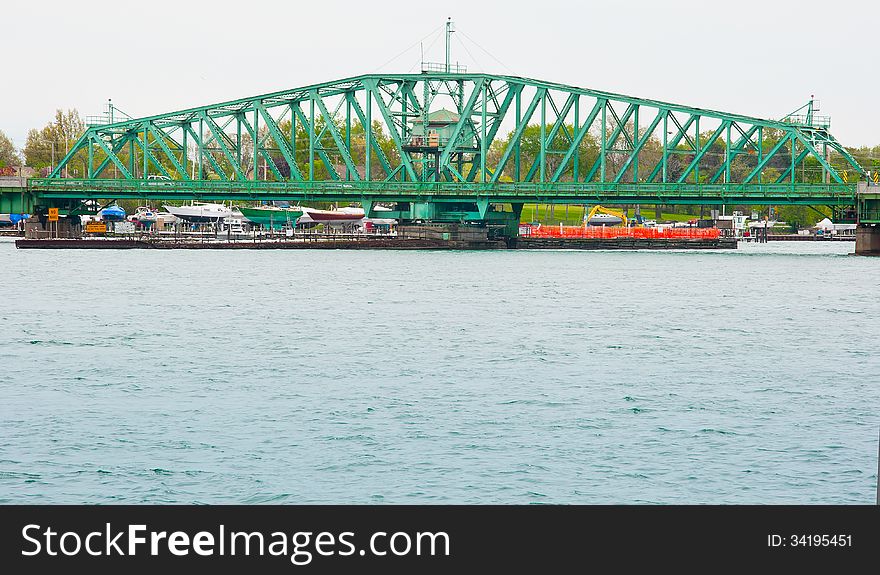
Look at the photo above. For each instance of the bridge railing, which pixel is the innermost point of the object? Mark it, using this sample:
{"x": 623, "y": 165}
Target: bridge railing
{"x": 407, "y": 191}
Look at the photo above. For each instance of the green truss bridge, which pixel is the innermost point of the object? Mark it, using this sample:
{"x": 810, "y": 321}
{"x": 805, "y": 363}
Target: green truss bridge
{"x": 455, "y": 147}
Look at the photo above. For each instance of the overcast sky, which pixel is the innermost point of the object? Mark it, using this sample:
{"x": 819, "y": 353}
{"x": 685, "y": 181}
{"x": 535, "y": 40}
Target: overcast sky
{"x": 760, "y": 58}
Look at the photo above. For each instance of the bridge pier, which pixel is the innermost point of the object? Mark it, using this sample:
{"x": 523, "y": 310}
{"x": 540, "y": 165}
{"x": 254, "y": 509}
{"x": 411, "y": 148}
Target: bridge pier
{"x": 868, "y": 230}
{"x": 868, "y": 240}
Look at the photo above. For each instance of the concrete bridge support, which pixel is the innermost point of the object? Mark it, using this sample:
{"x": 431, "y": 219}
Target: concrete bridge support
{"x": 868, "y": 230}
{"x": 868, "y": 240}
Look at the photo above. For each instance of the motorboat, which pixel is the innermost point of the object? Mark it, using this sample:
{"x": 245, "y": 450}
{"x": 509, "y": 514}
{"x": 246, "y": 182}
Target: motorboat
{"x": 201, "y": 212}
{"x": 340, "y": 216}
{"x": 112, "y": 214}
{"x": 604, "y": 220}
{"x": 145, "y": 216}
{"x": 274, "y": 217}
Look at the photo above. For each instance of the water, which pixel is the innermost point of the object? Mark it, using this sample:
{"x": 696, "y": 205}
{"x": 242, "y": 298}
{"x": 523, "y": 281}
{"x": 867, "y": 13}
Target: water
{"x": 440, "y": 377}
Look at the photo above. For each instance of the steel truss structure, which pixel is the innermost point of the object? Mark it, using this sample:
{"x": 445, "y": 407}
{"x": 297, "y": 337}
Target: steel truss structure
{"x": 505, "y": 139}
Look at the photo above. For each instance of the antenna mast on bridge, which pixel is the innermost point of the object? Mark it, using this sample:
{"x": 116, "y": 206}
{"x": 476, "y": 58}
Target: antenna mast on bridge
{"x": 450, "y": 28}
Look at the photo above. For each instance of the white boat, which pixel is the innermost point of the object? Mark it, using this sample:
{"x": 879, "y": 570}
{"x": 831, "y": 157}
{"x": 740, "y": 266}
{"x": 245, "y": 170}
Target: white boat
{"x": 340, "y": 216}
{"x": 202, "y": 212}
{"x": 604, "y": 220}
{"x": 144, "y": 215}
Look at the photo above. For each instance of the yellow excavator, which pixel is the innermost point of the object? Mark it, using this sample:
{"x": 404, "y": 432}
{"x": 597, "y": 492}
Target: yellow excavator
{"x": 608, "y": 212}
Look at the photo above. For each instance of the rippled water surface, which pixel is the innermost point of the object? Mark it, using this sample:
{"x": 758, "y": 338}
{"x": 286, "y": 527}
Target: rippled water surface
{"x": 747, "y": 376}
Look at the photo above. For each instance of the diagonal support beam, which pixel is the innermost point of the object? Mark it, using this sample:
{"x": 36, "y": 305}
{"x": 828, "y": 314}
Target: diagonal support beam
{"x": 560, "y": 120}
{"x": 220, "y": 136}
{"x": 211, "y": 159}
{"x": 112, "y": 155}
{"x": 702, "y": 152}
{"x": 260, "y": 150}
{"x": 331, "y": 169}
{"x": 395, "y": 135}
{"x": 671, "y": 144}
{"x": 763, "y": 163}
{"x": 281, "y": 142}
{"x": 159, "y": 136}
{"x": 582, "y": 131}
{"x": 340, "y": 143}
{"x": 359, "y": 112}
{"x": 521, "y": 124}
{"x": 463, "y": 119}
{"x": 621, "y": 122}
{"x": 737, "y": 148}
{"x": 148, "y": 153}
{"x": 638, "y": 147}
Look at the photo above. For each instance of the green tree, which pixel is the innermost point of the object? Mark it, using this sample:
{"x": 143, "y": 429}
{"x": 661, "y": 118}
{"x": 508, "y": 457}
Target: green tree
{"x": 9, "y": 156}
{"x": 46, "y": 147}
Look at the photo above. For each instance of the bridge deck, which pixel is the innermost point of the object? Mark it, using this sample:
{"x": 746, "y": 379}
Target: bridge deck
{"x": 561, "y": 193}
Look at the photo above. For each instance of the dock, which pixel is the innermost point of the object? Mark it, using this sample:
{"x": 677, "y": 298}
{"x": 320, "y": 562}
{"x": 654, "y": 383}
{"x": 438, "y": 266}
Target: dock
{"x": 380, "y": 242}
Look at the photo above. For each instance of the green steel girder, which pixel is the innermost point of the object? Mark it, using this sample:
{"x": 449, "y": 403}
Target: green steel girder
{"x": 638, "y": 147}
{"x": 221, "y": 138}
{"x": 745, "y": 139}
{"x": 701, "y": 152}
{"x": 609, "y": 143}
{"x": 200, "y": 143}
{"x": 280, "y": 141}
{"x": 371, "y": 143}
{"x": 521, "y": 123}
{"x": 560, "y": 192}
{"x": 578, "y": 138}
{"x": 483, "y": 105}
{"x": 340, "y": 143}
{"x": 314, "y": 140}
{"x": 159, "y": 137}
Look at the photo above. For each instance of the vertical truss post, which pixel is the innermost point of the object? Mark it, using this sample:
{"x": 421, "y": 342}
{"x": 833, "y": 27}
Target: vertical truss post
{"x": 368, "y": 130}
{"x": 293, "y": 135}
{"x": 543, "y": 134}
{"x": 201, "y": 149}
{"x": 582, "y": 131}
{"x": 516, "y": 159}
{"x": 483, "y": 135}
{"x": 185, "y": 158}
{"x": 758, "y": 171}
{"x": 636, "y": 138}
{"x": 604, "y": 143}
{"x": 238, "y": 137}
{"x": 698, "y": 151}
{"x": 146, "y": 159}
{"x": 793, "y": 147}
{"x": 760, "y": 152}
{"x": 637, "y": 148}
{"x": 825, "y": 180}
{"x": 665, "y": 142}
{"x": 311, "y": 136}
{"x": 91, "y": 173}
{"x": 727, "y": 145}
{"x": 577, "y": 145}
{"x": 257, "y": 146}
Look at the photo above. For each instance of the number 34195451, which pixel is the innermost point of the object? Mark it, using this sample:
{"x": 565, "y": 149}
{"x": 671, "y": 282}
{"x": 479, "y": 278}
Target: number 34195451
{"x": 809, "y": 540}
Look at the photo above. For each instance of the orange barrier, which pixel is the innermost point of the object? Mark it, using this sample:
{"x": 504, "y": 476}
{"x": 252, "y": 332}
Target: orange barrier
{"x": 607, "y": 232}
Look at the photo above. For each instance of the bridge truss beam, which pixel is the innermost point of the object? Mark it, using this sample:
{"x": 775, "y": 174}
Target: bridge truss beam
{"x": 576, "y": 145}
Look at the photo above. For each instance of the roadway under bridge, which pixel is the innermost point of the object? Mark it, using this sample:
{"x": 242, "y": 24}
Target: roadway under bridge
{"x": 457, "y": 147}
